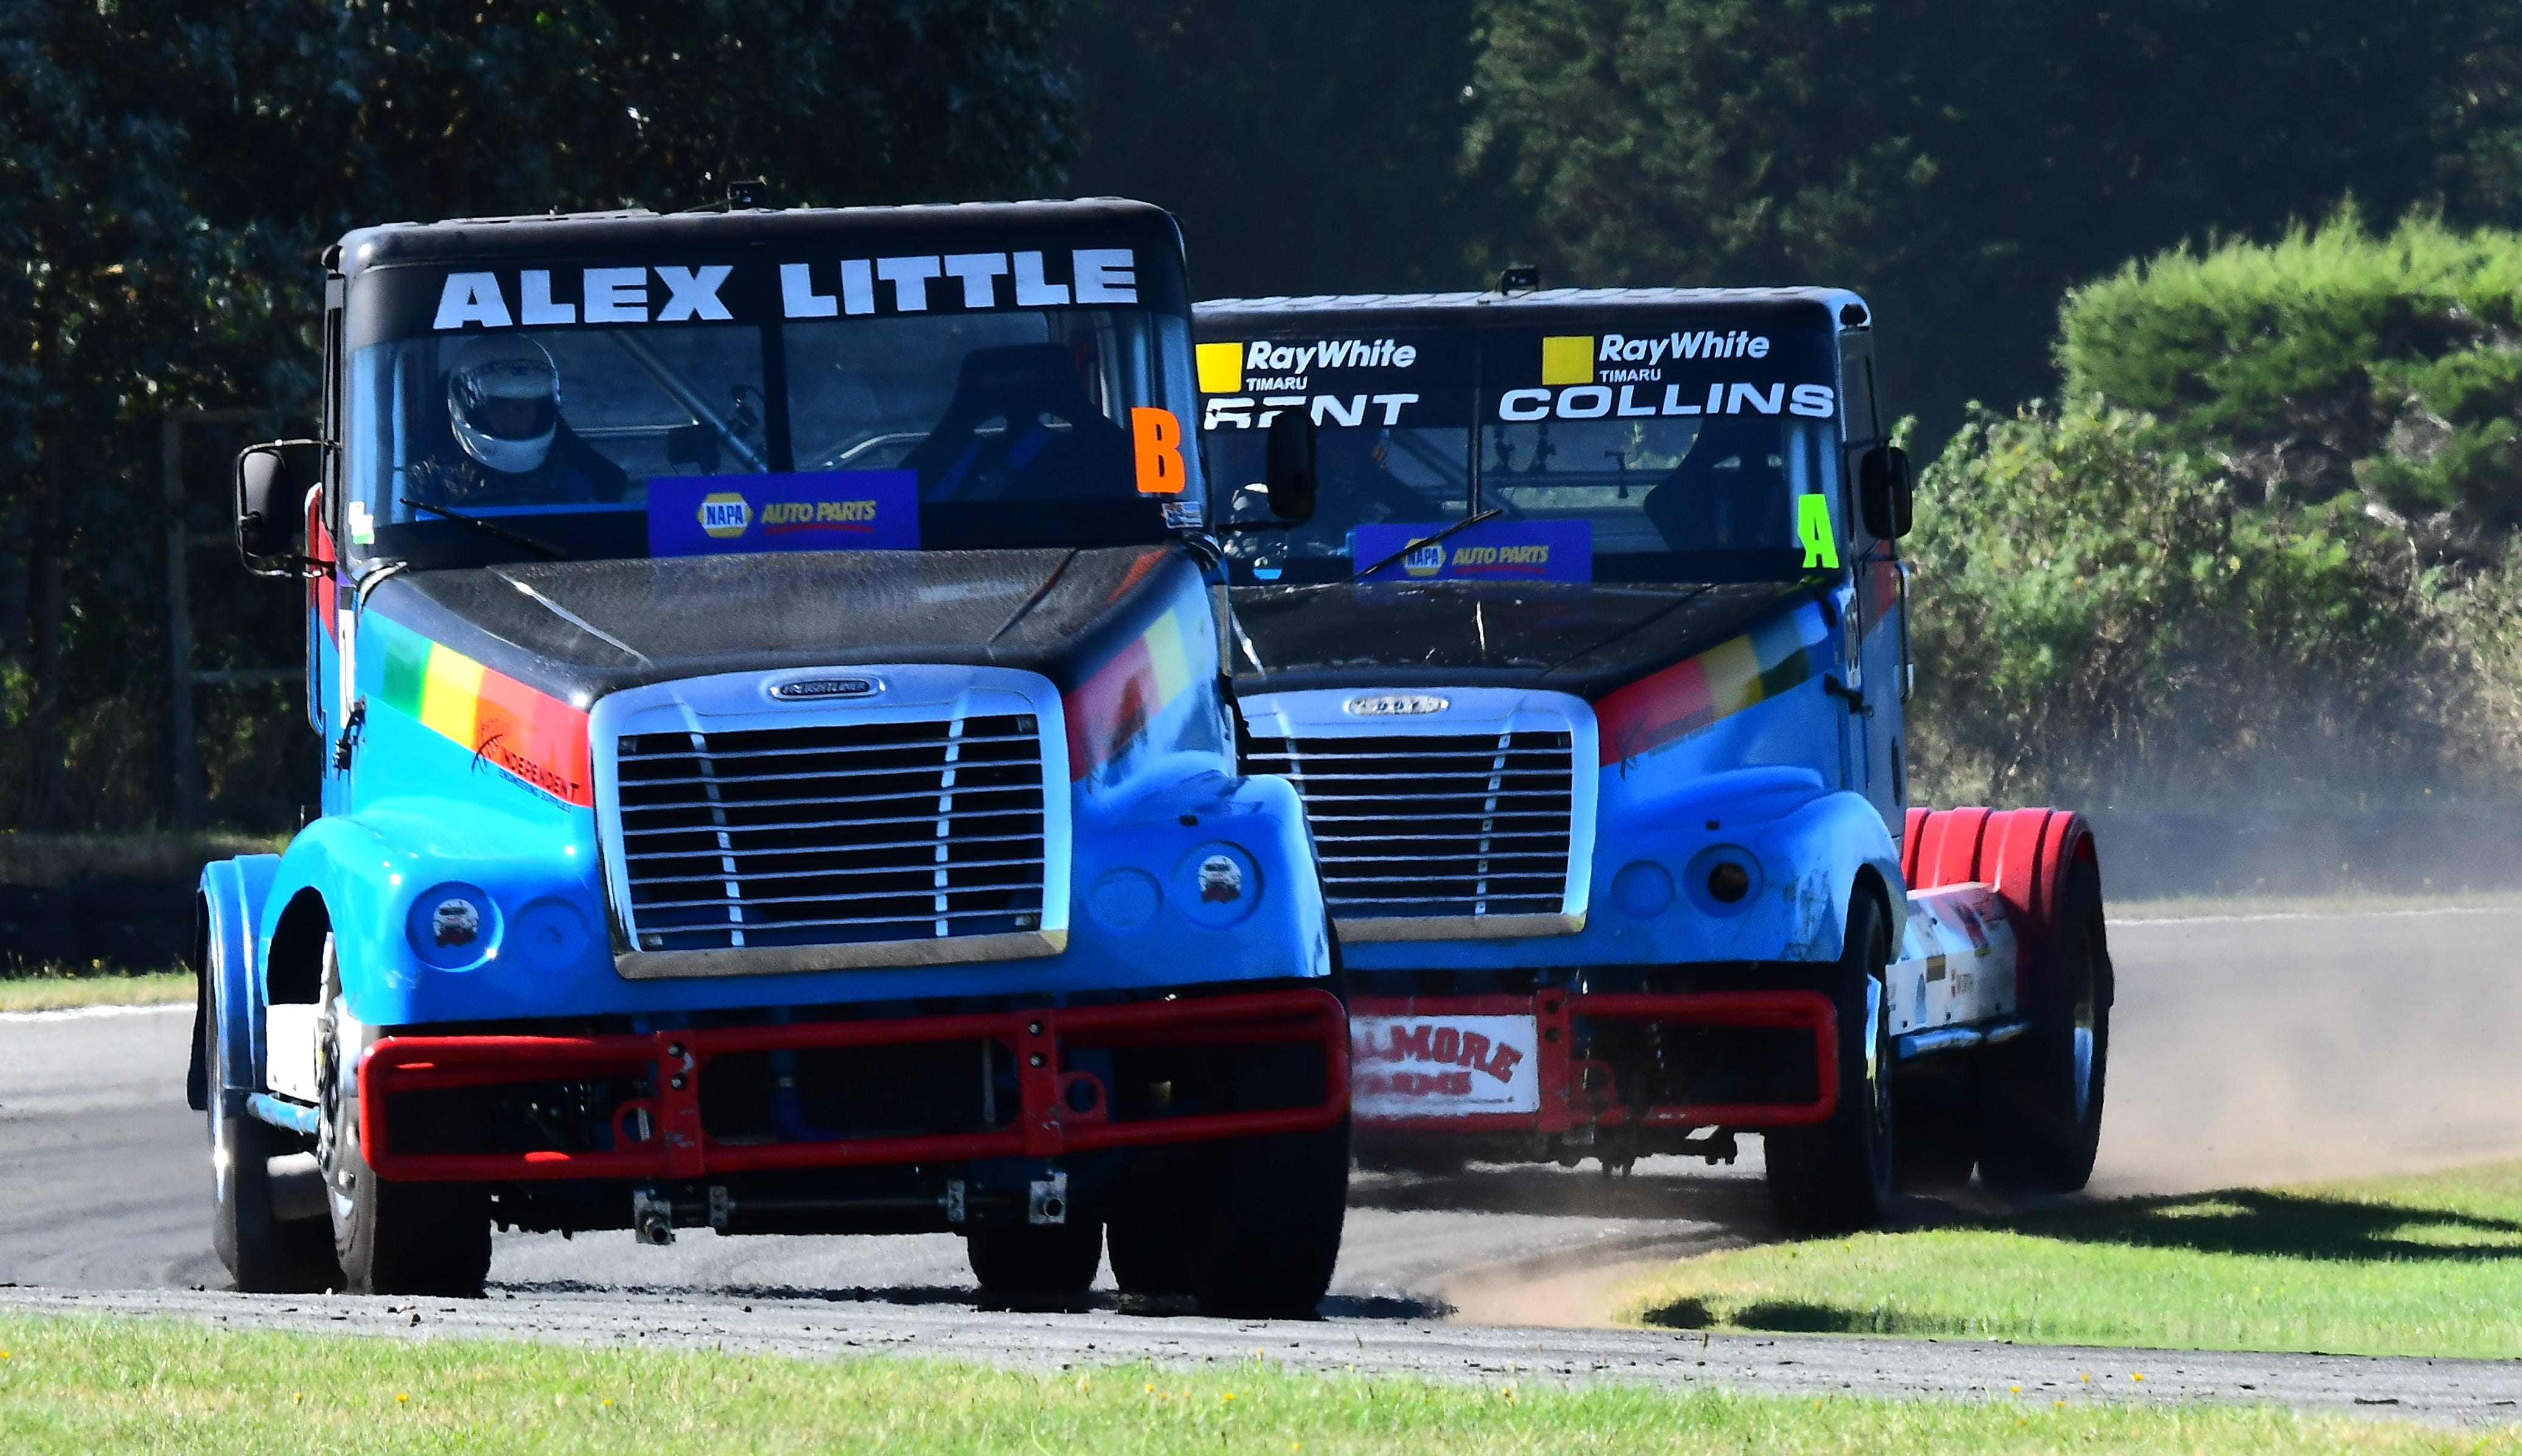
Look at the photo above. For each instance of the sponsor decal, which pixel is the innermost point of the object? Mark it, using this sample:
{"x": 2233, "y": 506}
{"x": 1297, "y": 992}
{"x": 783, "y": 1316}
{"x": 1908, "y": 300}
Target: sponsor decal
{"x": 1567, "y": 360}
{"x": 535, "y": 738}
{"x": 837, "y": 510}
{"x": 1221, "y": 369}
{"x": 1112, "y": 709}
{"x": 1719, "y": 682}
{"x": 1396, "y": 704}
{"x": 1436, "y": 1066}
{"x": 1495, "y": 550}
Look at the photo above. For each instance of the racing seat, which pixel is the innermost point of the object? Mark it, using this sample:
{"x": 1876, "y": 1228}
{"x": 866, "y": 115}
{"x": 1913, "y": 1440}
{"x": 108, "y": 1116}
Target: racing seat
{"x": 1051, "y": 441}
{"x": 1726, "y": 494}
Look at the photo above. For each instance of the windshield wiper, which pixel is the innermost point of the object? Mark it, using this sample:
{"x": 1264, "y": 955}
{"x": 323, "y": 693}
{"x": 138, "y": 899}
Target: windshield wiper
{"x": 1465, "y": 524}
{"x": 502, "y": 532}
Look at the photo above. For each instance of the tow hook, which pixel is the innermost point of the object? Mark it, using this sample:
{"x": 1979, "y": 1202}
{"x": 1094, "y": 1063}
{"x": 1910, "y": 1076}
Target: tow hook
{"x": 652, "y": 1217}
{"x": 1048, "y": 1202}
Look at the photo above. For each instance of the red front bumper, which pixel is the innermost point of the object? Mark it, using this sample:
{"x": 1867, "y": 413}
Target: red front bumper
{"x": 672, "y": 1064}
{"x": 1577, "y": 1091}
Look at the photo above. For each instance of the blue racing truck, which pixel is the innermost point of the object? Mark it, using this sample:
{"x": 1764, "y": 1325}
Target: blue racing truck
{"x": 779, "y": 776}
{"x": 1589, "y": 664}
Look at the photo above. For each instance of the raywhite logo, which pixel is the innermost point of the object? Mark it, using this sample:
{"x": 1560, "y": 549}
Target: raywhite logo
{"x": 806, "y": 689}
{"x": 1396, "y": 704}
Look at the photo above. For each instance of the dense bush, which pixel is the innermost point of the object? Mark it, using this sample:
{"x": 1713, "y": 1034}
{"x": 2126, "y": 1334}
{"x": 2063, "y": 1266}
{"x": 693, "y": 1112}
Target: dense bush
{"x": 2104, "y": 620}
{"x": 2332, "y": 362}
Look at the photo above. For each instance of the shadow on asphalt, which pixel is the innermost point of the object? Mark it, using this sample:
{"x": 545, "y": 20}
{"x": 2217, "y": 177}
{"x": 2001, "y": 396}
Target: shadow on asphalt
{"x": 1336, "y": 1306}
{"x": 1739, "y": 1204}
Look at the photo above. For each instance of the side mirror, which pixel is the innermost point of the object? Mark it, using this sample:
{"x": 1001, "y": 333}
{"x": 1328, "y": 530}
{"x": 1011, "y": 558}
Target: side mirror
{"x": 271, "y": 483}
{"x": 1288, "y": 466}
{"x": 1885, "y": 492}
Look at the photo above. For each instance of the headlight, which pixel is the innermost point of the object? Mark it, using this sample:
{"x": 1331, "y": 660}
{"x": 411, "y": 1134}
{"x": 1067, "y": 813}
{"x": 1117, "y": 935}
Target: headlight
{"x": 453, "y": 927}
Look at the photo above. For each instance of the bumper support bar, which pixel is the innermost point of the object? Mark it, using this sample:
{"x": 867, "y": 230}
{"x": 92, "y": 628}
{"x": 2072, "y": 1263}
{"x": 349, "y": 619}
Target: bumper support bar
{"x": 672, "y": 1064}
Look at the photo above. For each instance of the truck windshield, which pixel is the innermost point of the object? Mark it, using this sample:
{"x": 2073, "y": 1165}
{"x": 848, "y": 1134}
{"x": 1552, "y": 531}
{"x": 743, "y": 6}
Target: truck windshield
{"x": 1001, "y": 429}
{"x": 1605, "y": 457}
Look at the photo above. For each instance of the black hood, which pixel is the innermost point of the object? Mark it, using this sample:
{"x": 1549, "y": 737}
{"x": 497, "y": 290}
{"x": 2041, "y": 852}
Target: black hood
{"x": 579, "y": 630}
{"x": 1584, "y": 639}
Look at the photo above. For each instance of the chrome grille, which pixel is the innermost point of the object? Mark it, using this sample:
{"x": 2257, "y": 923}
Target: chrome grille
{"x": 834, "y": 833}
{"x": 1453, "y": 826}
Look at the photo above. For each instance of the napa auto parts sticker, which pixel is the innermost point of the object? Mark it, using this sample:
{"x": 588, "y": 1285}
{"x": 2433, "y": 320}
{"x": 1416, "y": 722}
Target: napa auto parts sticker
{"x": 1491, "y": 551}
{"x": 1440, "y": 1066}
{"x": 827, "y": 510}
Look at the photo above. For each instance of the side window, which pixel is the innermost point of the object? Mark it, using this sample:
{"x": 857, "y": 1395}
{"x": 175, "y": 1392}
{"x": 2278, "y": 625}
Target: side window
{"x": 1856, "y": 387}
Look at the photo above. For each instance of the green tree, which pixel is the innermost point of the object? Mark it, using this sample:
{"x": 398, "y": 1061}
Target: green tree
{"x": 1966, "y": 162}
{"x": 171, "y": 173}
{"x": 1307, "y": 147}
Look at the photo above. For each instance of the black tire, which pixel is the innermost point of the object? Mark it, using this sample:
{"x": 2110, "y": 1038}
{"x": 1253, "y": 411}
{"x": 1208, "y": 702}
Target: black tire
{"x": 1145, "y": 1241}
{"x": 263, "y": 1254}
{"x": 1834, "y": 1176}
{"x": 1934, "y": 1110}
{"x": 1035, "y": 1259}
{"x": 2040, "y": 1111}
{"x": 1273, "y": 1231}
{"x": 390, "y": 1237}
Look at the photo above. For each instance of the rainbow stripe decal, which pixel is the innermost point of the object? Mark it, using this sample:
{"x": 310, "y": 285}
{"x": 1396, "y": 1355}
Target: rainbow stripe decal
{"x": 1715, "y": 685}
{"x": 1109, "y": 710}
{"x": 536, "y": 737}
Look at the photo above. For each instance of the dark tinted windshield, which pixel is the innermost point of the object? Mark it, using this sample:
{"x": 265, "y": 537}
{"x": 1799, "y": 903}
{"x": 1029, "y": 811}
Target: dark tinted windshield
{"x": 1702, "y": 452}
{"x": 944, "y": 418}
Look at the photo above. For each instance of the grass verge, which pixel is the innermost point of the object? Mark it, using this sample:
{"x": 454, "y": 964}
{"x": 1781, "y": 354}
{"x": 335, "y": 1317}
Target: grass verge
{"x": 56, "y": 993}
{"x": 78, "y": 1384}
{"x": 2424, "y": 1265}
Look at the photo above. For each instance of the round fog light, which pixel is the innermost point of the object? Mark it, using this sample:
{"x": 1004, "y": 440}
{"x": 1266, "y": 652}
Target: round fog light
{"x": 1729, "y": 882}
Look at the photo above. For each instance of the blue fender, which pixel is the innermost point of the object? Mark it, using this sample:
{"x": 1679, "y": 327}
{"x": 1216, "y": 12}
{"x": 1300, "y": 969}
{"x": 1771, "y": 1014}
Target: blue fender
{"x": 1142, "y": 916}
{"x": 372, "y": 869}
{"x": 233, "y": 893}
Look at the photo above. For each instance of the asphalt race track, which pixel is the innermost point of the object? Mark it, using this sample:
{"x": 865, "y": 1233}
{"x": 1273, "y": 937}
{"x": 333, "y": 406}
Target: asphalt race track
{"x": 2246, "y": 1049}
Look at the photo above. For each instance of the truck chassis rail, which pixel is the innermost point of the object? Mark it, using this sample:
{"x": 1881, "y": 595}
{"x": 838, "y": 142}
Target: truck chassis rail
{"x": 673, "y": 1062}
{"x": 1568, "y": 1097}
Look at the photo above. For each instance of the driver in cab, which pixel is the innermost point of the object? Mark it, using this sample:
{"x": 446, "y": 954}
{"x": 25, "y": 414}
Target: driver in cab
{"x": 506, "y": 442}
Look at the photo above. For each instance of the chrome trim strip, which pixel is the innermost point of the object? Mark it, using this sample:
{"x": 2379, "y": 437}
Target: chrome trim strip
{"x": 1023, "y": 945}
{"x": 1455, "y": 928}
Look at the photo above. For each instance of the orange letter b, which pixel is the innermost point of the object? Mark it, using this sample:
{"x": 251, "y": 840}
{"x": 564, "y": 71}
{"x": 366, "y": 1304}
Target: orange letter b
{"x": 1157, "y": 436}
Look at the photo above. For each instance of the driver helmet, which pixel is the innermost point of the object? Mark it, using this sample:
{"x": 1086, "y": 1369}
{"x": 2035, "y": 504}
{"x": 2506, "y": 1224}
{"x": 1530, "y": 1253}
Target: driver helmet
{"x": 503, "y": 399}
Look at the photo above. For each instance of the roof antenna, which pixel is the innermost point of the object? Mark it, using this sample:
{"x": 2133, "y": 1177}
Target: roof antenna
{"x": 1520, "y": 278}
{"x": 747, "y": 194}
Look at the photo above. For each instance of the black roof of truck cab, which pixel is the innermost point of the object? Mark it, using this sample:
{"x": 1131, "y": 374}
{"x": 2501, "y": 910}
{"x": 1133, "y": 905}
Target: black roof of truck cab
{"x": 1639, "y": 434}
{"x": 632, "y": 386}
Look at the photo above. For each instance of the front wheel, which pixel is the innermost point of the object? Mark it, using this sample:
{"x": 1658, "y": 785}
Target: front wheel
{"x": 265, "y": 1254}
{"x": 1035, "y": 1259}
{"x": 2040, "y": 1116}
{"x": 1834, "y": 1176}
{"x": 390, "y": 1237}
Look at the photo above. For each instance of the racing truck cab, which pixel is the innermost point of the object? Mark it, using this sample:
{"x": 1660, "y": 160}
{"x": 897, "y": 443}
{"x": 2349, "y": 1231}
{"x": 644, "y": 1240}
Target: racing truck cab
{"x": 1589, "y": 664}
{"x": 778, "y": 771}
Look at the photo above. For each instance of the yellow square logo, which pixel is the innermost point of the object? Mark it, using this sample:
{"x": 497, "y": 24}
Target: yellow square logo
{"x": 1221, "y": 369}
{"x": 1567, "y": 359}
